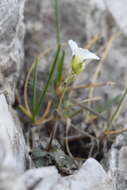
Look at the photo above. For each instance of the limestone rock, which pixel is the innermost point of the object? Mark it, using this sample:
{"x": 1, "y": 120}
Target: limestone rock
{"x": 12, "y": 144}
{"x": 11, "y": 44}
{"x": 90, "y": 176}
{"x": 117, "y": 162}
{"x": 119, "y": 10}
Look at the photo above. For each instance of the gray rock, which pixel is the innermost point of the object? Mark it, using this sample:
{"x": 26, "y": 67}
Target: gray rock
{"x": 117, "y": 162}
{"x": 12, "y": 146}
{"x": 90, "y": 176}
{"x": 56, "y": 156}
{"x": 41, "y": 178}
{"x": 11, "y": 44}
{"x": 118, "y": 10}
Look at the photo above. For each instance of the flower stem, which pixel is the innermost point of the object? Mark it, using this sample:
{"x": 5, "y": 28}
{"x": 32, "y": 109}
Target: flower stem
{"x": 68, "y": 80}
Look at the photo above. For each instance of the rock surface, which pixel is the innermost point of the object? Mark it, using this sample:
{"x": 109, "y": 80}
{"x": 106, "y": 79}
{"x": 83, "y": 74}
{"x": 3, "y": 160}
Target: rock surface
{"x": 11, "y": 45}
{"x": 12, "y": 144}
{"x": 117, "y": 161}
{"x": 118, "y": 10}
{"x": 90, "y": 176}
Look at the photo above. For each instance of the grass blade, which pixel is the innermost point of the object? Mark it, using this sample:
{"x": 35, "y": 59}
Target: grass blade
{"x": 25, "y": 111}
{"x": 44, "y": 91}
{"x": 60, "y": 68}
{"x": 34, "y": 86}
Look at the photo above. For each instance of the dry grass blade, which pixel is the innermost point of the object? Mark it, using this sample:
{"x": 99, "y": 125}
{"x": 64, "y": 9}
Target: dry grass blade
{"x": 93, "y": 85}
{"x": 92, "y": 41}
{"x": 68, "y": 124}
{"x": 83, "y": 132}
{"x": 25, "y": 111}
{"x": 84, "y": 101}
{"x": 91, "y": 99}
{"x": 38, "y": 122}
{"x": 52, "y": 136}
{"x": 47, "y": 110}
{"x": 90, "y": 110}
{"x": 115, "y": 132}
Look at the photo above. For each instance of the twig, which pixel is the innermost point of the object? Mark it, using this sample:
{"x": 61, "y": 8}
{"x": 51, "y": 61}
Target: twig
{"x": 92, "y": 41}
{"x": 83, "y": 132}
{"x": 74, "y": 137}
{"x": 90, "y": 110}
{"x": 68, "y": 123}
{"x": 115, "y": 132}
{"x": 93, "y": 85}
{"x": 52, "y": 136}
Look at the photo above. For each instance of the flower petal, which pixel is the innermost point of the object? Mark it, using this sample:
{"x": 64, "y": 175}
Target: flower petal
{"x": 73, "y": 45}
{"x": 84, "y": 54}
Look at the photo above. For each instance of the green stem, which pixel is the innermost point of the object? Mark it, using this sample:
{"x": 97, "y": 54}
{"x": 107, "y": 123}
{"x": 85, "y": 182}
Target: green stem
{"x": 57, "y": 21}
{"x": 68, "y": 80}
{"x": 34, "y": 88}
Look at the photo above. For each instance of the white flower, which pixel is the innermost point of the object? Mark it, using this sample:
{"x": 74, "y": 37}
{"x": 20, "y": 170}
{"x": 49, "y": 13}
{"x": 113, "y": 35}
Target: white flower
{"x": 80, "y": 53}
